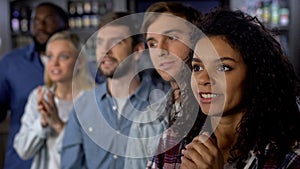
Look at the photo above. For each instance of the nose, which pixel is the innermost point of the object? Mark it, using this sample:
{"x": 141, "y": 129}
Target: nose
{"x": 103, "y": 49}
{"x": 162, "y": 47}
{"x": 204, "y": 79}
{"x": 54, "y": 61}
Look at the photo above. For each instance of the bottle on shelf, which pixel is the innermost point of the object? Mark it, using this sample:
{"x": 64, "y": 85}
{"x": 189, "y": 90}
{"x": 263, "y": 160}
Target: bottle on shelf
{"x": 15, "y": 19}
{"x": 284, "y": 14}
{"x": 86, "y": 18}
{"x": 78, "y": 18}
{"x": 72, "y": 14}
{"x": 259, "y": 10}
{"x": 274, "y": 13}
{"x": 266, "y": 12}
{"x": 24, "y": 20}
{"x": 95, "y": 14}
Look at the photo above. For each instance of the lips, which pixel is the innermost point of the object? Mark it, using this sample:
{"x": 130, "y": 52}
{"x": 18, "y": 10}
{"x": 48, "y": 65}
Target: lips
{"x": 208, "y": 97}
{"x": 166, "y": 65}
{"x": 55, "y": 71}
{"x": 108, "y": 60}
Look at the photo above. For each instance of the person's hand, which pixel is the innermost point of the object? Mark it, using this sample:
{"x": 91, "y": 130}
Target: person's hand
{"x": 202, "y": 152}
{"x": 49, "y": 112}
{"x": 40, "y": 106}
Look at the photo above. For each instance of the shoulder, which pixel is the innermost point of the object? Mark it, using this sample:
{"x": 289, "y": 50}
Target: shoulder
{"x": 13, "y": 56}
{"x": 15, "y": 53}
{"x": 91, "y": 93}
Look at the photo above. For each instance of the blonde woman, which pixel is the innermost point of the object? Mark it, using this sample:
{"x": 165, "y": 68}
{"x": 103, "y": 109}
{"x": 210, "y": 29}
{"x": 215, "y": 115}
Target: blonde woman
{"x": 48, "y": 107}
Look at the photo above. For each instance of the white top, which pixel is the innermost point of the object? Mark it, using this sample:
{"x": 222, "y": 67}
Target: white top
{"x": 64, "y": 108}
{"x": 120, "y": 104}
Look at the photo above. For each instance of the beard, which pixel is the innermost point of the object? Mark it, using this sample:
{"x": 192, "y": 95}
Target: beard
{"x": 121, "y": 70}
{"x": 39, "y": 47}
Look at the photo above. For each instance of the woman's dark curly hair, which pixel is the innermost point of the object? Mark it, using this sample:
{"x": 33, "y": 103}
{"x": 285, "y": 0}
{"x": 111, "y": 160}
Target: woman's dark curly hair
{"x": 272, "y": 86}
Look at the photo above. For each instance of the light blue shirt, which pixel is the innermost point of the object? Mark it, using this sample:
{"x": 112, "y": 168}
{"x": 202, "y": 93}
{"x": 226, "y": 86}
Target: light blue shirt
{"x": 146, "y": 133}
{"x": 94, "y": 137}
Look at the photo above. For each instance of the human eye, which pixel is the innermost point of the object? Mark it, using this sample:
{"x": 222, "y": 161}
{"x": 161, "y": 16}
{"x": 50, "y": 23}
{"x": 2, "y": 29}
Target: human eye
{"x": 116, "y": 42}
{"x": 48, "y": 56}
{"x": 197, "y": 68}
{"x": 64, "y": 57}
{"x": 50, "y": 20}
{"x": 173, "y": 37}
{"x": 36, "y": 21}
{"x": 224, "y": 68}
{"x": 152, "y": 44}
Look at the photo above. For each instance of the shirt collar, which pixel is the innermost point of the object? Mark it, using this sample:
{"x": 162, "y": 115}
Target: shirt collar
{"x": 31, "y": 53}
{"x": 142, "y": 93}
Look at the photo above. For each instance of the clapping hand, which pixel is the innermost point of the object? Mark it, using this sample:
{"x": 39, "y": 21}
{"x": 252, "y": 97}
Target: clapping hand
{"x": 48, "y": 110}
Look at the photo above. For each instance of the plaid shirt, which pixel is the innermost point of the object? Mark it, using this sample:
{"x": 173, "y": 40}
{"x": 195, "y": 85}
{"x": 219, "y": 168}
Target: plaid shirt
{"x": 171, "y": 159}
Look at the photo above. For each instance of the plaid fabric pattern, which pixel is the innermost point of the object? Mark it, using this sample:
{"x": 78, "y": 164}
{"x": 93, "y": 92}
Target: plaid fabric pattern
{"x": 170, "y": 159}
{"x": 291, "y": 161}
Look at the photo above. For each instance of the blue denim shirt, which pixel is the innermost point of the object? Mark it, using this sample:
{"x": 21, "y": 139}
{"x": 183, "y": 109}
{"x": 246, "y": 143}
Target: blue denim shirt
{"x": 94, "y": 137}
{"x": 20, "y": 72}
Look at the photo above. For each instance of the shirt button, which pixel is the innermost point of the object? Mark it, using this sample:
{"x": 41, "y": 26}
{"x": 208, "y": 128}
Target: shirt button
{"x": 115, "y": 156}
{"x": 114, "y": 107}
{"x": 117, "y": 131}
{"x": 90, "y": 129}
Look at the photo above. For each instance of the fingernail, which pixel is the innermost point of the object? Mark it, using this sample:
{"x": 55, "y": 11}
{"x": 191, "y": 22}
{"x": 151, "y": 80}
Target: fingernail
{"x": 187, "y": 146}
{"x": 201, "y": 139}
{"x": 206, "y": 133}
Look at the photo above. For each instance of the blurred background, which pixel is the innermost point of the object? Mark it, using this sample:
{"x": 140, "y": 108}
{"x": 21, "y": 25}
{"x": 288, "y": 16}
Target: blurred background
{"x": 280, "y": 15}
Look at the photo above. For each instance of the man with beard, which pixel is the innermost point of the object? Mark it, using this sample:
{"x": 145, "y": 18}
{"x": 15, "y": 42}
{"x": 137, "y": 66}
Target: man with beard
{"x": 97, "y": 132}
{"x": 22, "y": 70}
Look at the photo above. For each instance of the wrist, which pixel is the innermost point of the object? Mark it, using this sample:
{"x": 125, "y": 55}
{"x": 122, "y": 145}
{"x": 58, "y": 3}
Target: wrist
{"x": 59, "y": 126}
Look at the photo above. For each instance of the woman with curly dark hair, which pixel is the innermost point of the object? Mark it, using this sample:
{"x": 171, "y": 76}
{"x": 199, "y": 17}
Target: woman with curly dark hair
{"x": 248, "y": 89}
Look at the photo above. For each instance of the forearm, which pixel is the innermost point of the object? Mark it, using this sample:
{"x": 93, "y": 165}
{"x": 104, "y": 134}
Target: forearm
{"x": 29, "y": 140}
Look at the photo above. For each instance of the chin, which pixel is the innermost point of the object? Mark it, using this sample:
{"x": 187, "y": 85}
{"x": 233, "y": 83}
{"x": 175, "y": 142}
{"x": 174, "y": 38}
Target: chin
{"x": 166, "y": 76}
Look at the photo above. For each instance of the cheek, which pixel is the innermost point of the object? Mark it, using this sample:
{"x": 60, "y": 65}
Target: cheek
{"x": 180, "y": 51}
{"x": 236, "y": 91}
{"x": 194, "y": 87}
{"x": 47, "y": 67}
{"x": 70, "y": 65}
{"x": 154, "y": 60}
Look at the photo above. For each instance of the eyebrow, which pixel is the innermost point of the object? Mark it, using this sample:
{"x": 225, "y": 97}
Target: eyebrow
{"x": 113, "y": 38}
{"x": 217, "y": 60}
{"x": 165, "y": 33}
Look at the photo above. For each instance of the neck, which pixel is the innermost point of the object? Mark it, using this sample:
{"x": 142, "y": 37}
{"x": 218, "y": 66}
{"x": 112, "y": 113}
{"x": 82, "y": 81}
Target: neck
{"x": 123, "y": 87}
{"x": 63, "y": 91}
{"x": 225, "y": 132}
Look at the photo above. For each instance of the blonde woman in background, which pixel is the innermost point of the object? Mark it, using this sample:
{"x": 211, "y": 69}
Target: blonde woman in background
{"x": 48, "y": 107}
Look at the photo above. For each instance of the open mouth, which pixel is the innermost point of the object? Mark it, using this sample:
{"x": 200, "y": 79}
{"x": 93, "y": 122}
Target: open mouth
{"x": 108, "y": 60}
{"x": 55, "y": 71}
{"x": 207, "y": 97}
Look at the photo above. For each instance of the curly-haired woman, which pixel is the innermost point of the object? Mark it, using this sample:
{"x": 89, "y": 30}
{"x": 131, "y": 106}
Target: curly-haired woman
{"x": 248, "y": 89}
